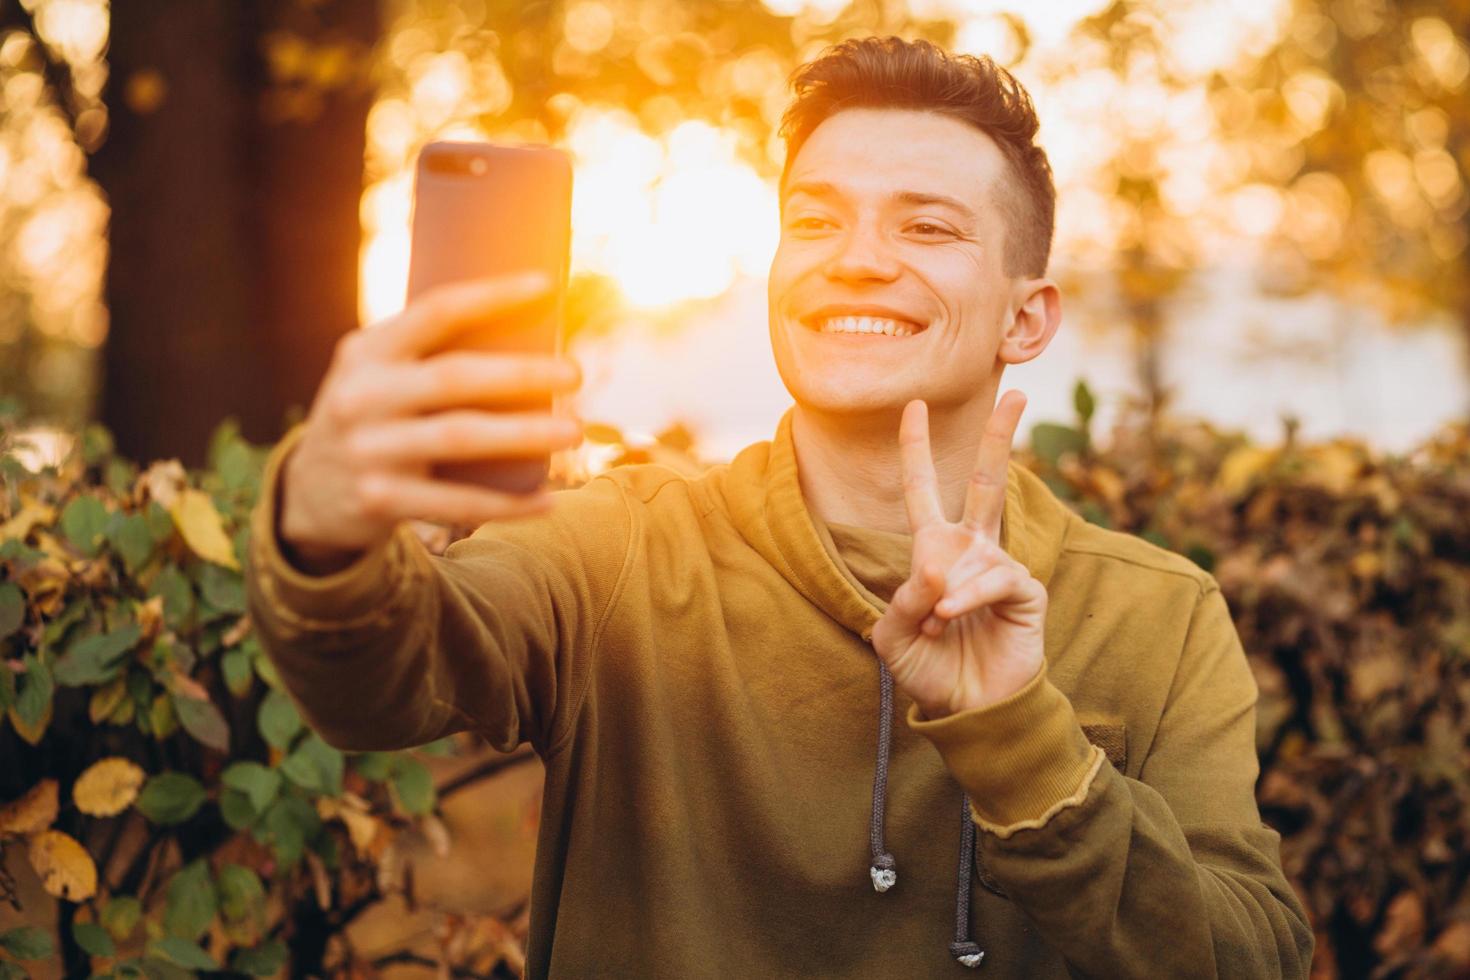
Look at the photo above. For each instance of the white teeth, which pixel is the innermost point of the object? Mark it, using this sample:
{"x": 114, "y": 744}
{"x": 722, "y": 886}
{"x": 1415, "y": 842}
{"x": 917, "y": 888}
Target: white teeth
{"x": 867, "y": 324}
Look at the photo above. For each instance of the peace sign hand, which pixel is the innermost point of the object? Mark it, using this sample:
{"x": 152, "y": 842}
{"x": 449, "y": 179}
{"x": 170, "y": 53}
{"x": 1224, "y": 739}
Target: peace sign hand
{"x": 965, "y": 630}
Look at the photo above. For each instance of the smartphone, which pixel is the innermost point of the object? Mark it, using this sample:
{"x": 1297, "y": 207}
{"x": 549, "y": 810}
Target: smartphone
{"x": 486, "y": 209}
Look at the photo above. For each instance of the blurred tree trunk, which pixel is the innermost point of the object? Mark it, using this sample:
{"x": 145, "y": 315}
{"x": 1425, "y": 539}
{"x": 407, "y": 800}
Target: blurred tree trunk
{"x": 234, "y": 193}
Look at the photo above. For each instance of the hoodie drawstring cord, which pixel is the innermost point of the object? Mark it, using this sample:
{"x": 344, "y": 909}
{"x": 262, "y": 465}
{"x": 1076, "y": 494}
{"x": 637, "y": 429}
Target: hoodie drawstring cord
{"x": 883, "y": 871}
{"x": 965, "y": 949}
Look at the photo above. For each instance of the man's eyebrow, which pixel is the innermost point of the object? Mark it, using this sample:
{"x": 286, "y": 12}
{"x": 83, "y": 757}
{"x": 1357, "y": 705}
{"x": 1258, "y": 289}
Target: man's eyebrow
{"x": 821, "y": 188}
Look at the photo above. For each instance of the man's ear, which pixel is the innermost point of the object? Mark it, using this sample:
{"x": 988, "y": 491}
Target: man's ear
{"x": 1038, "y": 314}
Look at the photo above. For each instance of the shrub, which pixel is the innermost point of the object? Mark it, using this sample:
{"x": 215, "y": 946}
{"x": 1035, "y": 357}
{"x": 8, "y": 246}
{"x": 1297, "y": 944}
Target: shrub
{"x": 136, "y": 698}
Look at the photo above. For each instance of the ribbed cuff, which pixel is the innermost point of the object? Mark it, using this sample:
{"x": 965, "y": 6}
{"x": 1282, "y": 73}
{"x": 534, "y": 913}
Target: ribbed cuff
{"x": 353, "y": 596}
{"x": 1021, "y": 759}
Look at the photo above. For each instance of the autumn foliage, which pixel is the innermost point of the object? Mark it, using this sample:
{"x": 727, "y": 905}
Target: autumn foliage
{"x": 164, "y": 789}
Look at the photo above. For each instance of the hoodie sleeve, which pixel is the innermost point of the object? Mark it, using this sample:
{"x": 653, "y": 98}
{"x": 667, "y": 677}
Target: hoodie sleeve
{"x": 403, "y": 646}
{"x": 1170, "y": 874}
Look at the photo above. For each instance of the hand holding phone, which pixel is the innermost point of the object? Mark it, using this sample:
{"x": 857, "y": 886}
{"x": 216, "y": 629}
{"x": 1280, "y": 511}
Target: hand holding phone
{"x": 445, "y": 411}
{"x": 401, "y": 399}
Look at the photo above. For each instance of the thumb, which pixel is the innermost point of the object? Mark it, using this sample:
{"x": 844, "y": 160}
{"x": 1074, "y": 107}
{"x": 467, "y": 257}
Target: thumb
{"x": 915, "y": 598}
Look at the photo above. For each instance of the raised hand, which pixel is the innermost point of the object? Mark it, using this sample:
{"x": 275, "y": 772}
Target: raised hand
{"x": 965, "y": 629}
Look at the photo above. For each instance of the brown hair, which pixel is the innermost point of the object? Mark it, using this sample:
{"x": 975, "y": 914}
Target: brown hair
{"x": 892, "y": 73}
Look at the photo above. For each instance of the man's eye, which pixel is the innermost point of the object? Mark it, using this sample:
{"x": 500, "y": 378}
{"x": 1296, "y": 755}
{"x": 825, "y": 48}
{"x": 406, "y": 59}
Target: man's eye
{"x": 804, "y": 223}
{"x": 932, "y": 229}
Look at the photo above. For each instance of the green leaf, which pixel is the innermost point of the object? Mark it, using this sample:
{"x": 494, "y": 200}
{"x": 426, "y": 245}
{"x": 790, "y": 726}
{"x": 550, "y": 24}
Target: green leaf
{"x": 413, "y": 785}
{"x": 235, "y": 808}
{"x": 12, "y": 608}
{"x": 170, "y": 798}
{"x": 27, "y": 943}
{"x": 241, "y": 894}
{"x": 160, "y": 522}
{"x": 286, "y": 832}
{"x": 120, "y": 475}
{"x": 93, "y": 939}
{"x": 439, "y": 747}
{"x": 1051, "y": 441}
{"x": 96, "y": 659}
{"x": 97, "y": 443}
{"x": 178, "y": 596}
{"x": 222, "y": 588}
{"x": 315, "y": 766}
{"x": 235, "y": 464}
{"x": 264, "y": 960}
{"x": 259, "y": 783}
{"x": 266, "y": 671}
{"x": 278, "y": 720}
{"x": 204, "y": 721}
{"x": 376, "y": 766}
{"x": 1084, "y": 402}
{"x": 121, "y": 915}
{"x": 83, "y": 522}
{"x": 192, "y": 901}
{"x": 9, "y": 971}
{"x": 155, "y": 968}
{"x": 57, "y": 629}
{"x": 236, "y": 667}
{"x": 130, "y": 538}
{"x": 35, "y": 691}
{"x": 183, "y": 952}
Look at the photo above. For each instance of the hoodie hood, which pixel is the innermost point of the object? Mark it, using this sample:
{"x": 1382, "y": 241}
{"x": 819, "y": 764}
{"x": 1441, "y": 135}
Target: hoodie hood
{"x": 766, "y": 504}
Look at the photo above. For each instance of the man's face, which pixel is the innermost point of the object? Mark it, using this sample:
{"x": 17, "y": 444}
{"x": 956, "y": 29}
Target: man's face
{"x": 889, "y": 223}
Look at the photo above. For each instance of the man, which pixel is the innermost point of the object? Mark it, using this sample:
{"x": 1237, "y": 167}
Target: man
{"x": 705, "y": 664}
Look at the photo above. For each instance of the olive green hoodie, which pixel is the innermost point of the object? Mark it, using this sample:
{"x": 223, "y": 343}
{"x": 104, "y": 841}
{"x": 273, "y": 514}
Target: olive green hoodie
{"x": 691, "y": 658}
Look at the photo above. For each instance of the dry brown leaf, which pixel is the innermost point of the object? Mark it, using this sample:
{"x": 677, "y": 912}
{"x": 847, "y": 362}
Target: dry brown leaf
{"x": 32, "y": 513}
{"x": 236, "y": 633}
{"x": 320, "y": 880}
{"x": 108, "y": 787}
{"x": 150, "y": 618}
{"x": 1403, "y": 925}
{"x": 66, "y": 869}
{"x": 1453, "y": 943}
{"x": 164, "y": 479}
{"x": 33, "y": 812}
{"x": 436, "y": 834}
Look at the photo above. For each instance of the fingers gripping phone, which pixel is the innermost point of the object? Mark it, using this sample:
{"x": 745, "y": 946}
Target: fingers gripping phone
{"x": 483, "y": 210}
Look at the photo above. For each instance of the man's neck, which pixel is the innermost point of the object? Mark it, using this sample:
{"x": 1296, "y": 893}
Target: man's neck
{"x": 850, "y": 466}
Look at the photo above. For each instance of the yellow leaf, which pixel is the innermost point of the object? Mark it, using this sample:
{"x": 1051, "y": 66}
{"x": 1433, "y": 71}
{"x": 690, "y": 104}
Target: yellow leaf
{"x": 31, "y": 514}
{"x": 65, "y": 867}
{"x": 1333, "y": 466}
{"x": 1242, "y": 466}
{"x": 108, "y": 787}
{"x": 31, "y": 733}
{"x": 105, "y": 699}
{"x": 33, "y": 812}
{"x": 202, "y": 528}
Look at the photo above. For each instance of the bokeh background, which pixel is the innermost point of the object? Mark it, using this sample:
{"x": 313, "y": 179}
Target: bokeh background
{"x": 1263, "y": 207}
{"x": 1263, "y": 229}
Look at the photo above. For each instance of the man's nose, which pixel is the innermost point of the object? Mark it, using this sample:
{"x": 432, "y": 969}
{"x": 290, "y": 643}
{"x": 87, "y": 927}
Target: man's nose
{"x": 863, "y": 254}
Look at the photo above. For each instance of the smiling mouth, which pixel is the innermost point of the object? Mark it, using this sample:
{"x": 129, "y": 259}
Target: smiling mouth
{"x": 859, "y": 325}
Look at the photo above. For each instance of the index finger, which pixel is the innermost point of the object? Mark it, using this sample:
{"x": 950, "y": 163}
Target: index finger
{"x": 920, "y": 485}
{"x": 432, "y": 320}
{"x": 986, "y": 497}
